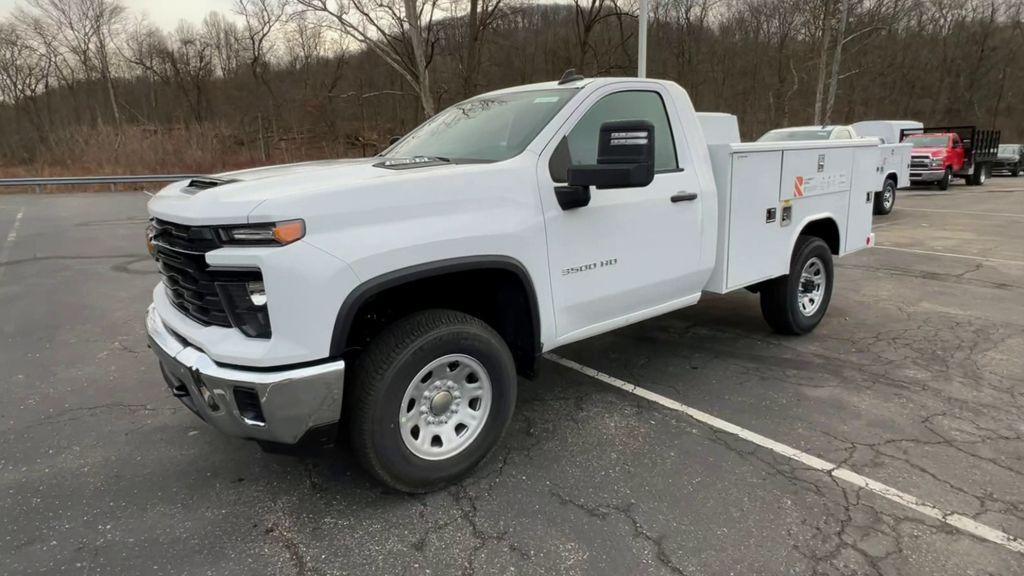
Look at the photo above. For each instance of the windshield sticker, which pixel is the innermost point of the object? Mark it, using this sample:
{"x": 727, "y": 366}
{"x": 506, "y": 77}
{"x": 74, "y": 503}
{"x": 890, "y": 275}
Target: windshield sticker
{"x": 545, "y": 99}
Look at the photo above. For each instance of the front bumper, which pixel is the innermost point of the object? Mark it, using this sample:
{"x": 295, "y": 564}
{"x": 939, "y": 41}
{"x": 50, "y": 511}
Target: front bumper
{"x": 926, "y": 175}
{"x": 291, "y": 402}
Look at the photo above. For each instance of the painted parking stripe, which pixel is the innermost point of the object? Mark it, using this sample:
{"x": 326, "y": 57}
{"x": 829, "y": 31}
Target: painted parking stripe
{"x": 963, "y": 212}
{"x": 958, "y": 521}
{"x": 1000, "y": 260}
{"x": 9, "y": 241}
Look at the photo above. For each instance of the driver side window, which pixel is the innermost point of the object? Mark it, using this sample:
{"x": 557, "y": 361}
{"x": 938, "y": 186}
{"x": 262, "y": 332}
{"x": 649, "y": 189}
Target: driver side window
{"x": 580, "y": 145}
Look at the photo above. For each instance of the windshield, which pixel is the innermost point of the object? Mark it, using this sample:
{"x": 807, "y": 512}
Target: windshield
{"x": 484, "y": 129}
{"x": 925, "y": 141}
{"x": 795, "y": 135}
{"x": 1008, "y": 149}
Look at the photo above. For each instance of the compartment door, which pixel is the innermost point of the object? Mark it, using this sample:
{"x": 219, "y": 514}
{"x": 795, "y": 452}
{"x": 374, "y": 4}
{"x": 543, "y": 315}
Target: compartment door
{"x": 807, "y": 173}
{"x": 758, "y": 245}
{"x": 866, "y": 176}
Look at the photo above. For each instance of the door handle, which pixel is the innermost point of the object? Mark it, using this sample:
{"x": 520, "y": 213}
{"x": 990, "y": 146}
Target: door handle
{"x": 683, "y": 197}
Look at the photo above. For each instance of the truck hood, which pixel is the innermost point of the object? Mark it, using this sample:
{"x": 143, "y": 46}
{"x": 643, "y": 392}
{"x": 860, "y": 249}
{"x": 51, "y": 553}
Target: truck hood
{"x": 929, "y": 151}
{"x": 1007, "y": 158}
{"x": 231, "y": 196}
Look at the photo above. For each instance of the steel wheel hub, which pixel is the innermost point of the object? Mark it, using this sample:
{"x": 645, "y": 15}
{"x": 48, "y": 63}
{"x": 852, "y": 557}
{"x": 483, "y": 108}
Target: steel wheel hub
{"x": 812, "y": 286}
{"x": 445, "y": 407}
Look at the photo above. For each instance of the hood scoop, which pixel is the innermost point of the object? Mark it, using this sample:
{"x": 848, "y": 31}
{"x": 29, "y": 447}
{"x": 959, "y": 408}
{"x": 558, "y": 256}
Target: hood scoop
{"x": 196, "y": 185}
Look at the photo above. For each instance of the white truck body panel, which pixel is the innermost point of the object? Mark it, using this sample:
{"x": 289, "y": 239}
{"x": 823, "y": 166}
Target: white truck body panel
{"x": 888, "y": 131}
{"x": 719, "y": 127}
{"x": 895, "y": 154}
{"x": 813, "y": 180}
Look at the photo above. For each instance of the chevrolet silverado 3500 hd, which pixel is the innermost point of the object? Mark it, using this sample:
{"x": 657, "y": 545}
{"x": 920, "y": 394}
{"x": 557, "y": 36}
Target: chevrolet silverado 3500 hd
{"x": 400, "y": 295}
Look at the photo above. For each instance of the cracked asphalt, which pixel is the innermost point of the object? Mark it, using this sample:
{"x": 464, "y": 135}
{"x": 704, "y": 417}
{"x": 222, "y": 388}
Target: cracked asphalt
{"x": 915, "y": 379}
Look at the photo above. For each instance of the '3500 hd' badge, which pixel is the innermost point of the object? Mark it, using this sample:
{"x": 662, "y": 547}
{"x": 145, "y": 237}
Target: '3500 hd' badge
{"x": 589, "y": 267}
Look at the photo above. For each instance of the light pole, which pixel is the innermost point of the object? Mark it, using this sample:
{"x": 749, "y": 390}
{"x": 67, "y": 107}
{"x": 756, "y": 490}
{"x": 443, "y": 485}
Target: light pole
{"x": 641, "y": 53}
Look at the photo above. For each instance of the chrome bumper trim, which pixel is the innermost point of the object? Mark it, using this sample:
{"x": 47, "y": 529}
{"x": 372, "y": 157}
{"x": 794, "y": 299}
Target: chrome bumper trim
{"x": 293, "y": 401}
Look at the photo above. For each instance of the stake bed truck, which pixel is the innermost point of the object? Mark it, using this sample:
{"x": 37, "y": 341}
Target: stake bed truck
{"x": 401, "y": 295}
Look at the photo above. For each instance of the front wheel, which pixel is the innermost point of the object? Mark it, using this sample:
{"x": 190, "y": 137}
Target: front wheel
{"x": 886, "y": 199}
{"x": 431, "y": 396}
{"x": 946, "y": 177}
{"x": 796, "y": 303}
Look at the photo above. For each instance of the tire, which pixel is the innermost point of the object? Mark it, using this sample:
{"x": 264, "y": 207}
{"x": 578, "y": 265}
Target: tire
{"x": 886, "y": 199}
{"x": 946, "y": 177}
{"x": 398, "y": 395}
{"x": 1015, "y": 172}
{"x": 781, "y": 298}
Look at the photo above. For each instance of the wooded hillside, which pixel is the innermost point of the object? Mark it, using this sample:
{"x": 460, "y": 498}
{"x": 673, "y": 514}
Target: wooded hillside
{"x": 86, "y": 87}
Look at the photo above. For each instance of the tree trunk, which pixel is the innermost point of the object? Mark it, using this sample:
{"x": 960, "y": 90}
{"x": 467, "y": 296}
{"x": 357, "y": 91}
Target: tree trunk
{"x": 472, "y": 49}
{"x": 419, "y": 51}
{"x": 826, "y": 38}
{"x": 837, "y": 58}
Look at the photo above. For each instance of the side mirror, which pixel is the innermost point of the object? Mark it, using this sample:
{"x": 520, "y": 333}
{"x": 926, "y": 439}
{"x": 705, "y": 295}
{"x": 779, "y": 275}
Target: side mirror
{"x": 393, "y": 140}
{"x": 625, "y": 157}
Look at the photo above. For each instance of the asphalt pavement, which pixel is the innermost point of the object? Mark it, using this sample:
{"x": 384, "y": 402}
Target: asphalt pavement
{"x": 915, "y": 381}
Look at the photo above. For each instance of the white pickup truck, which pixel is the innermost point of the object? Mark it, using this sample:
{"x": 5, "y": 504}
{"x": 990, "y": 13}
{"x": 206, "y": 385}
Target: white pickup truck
{"x": 401, "y": 295}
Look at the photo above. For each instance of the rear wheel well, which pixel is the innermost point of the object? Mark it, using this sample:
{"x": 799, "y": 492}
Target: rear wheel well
{"x": 827, "y": 230}
{"x": 499, "y": 296}
{"x": 894, "y": 177}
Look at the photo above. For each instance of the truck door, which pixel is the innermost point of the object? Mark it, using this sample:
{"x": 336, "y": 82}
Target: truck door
{"x": 956, "y": 152}
{"x": 632, "y": 252}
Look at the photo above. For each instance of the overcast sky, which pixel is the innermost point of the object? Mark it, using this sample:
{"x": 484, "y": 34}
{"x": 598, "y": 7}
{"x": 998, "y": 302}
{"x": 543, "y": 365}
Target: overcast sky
{"x": 164, "y": 13}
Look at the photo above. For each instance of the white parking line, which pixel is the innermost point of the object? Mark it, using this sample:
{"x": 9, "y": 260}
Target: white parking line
{"x": 951, "y": 255}
{"x": 11, "y": 236}
{"x": 963, "y": 212}
{"x": 952, "y": 518}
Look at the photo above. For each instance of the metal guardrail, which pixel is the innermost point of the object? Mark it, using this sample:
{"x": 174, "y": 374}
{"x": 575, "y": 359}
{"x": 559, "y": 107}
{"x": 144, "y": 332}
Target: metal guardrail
{"x": 90, "y": 180}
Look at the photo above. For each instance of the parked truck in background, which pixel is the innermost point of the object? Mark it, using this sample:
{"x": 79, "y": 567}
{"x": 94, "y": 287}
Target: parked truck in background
{"x": 400, "y": 295}
{"x": 896, "y": 157}
{"x": 895, "y": 166}
{"x": 1010, "y": 160}
{"x": 942, "y": 153}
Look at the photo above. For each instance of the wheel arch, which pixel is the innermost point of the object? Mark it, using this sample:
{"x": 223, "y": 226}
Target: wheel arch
{"x": 524, "y": 341}
{"x": 823, "y": 226}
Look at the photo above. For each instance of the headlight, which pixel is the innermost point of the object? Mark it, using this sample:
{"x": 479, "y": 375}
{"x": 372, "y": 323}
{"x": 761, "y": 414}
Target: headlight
{"x": 274, "y": 234}
{"x": 938, "y": 161}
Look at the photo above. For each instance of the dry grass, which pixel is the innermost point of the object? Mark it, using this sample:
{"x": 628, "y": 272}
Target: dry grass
{"x": 104, "y": 151}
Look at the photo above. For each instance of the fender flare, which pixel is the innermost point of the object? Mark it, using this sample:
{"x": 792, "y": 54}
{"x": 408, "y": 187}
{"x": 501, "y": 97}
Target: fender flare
{"x": 358, "y": 296}
{"x": 818, "y": 218}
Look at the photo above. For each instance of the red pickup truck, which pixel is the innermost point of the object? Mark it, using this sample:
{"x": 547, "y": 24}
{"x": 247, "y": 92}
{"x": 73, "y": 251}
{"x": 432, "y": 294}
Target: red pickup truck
{"x": 940, "y": 154}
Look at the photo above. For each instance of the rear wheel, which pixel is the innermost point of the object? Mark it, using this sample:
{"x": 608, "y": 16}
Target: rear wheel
{"x": 431, "y": 397}
{"x": 796, "y": 303}
{"x": 978, "y": 175}
{"x": 886, "y": 199}
{"x": 946, "y": 177}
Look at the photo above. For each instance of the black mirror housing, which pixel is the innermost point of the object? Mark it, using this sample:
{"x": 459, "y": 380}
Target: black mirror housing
{"x": 625, "y": 157}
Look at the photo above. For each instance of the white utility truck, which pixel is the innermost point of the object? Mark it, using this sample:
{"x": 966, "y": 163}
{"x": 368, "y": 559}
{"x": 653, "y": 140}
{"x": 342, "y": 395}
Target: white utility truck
{"x": 400, "y": 295}
{"x": 896, "y": 157}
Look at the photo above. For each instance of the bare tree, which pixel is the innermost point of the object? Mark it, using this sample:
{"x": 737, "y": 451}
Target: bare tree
{"x": 401, "y": 32}
{"x": 260, "y": 18}
{"x": 225, "y": 37}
